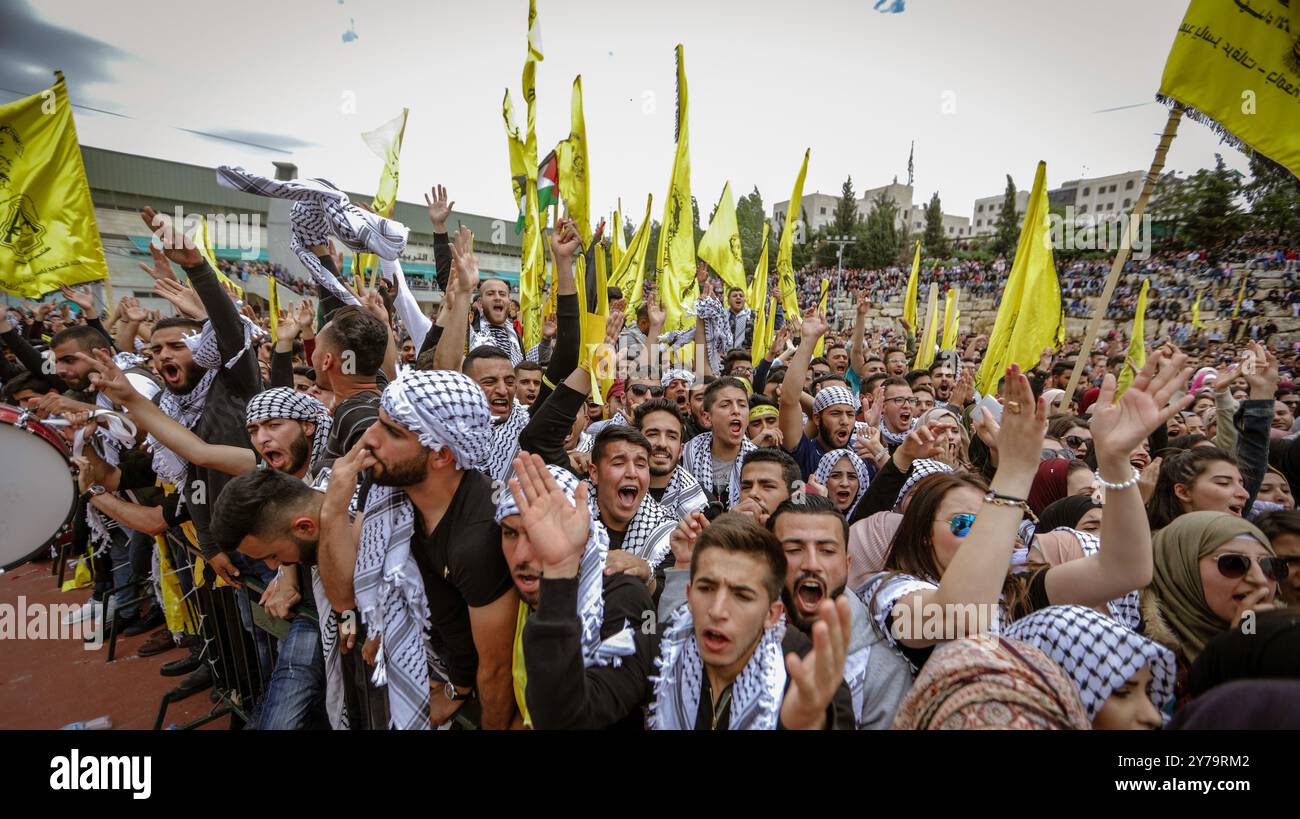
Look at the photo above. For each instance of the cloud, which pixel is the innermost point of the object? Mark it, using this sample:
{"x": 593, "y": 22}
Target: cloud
{"x": 31, "y": 49}
{"x": 257, "y": 139}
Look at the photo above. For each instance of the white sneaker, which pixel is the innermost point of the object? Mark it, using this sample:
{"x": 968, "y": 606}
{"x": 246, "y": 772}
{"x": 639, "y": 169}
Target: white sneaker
{"x": 87, "y": 610}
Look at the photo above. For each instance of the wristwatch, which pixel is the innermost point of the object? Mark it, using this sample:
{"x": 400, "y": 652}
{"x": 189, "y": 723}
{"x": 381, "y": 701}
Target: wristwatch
{"x": 454, "y": 696}
{"x": 95, "y": 489}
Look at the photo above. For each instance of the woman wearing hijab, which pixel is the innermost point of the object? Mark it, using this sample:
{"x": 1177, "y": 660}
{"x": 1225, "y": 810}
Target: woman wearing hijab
{"x": 991, "y": 683}
{"x": 951, "y": 435}
{"x": 1253, "y": 705}
{"x": 1124, "y": 679}
{"x": 1080, "y": 512}
{"x": 1270, "y": 651}
{"x": 845, "y": 477}
{"x": 951, "y": 553}
{"x": 1049, "y": 484}
{"x": 1212, "y": 569}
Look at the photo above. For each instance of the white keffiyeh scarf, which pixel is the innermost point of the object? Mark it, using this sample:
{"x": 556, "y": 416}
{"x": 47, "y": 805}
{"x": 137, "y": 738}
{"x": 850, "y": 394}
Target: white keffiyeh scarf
{"x": 697, "y": 457}
{"x": 591, "y": 583}
{"x": 499, "y": 465}
{"x": 718, "y": 333}
{"x": 921, "y": 469}
{"x": 586, "y": 444}
{"x": 648, "y": 531}
{"x": 683, "y": 495}
{"x": 756, "y": 694}
{"x": 503, "y": 337}
{"x": 1097, "y": 653}
{"x": 283, "y": 402}
{"x": 891, "y": 439}
{"x": 187, "y": 408}
{"x": 1126, "y": 610}
{"x": 443, "y": 408}
{"x": 827, "y": 465}
{"x": 321, "y": 210}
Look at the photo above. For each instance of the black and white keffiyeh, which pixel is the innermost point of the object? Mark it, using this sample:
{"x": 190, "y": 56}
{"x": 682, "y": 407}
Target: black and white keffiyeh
{"x": 1126, "y": 610}
{"x": 922, "y": 468}
{"x": 648, "y": 532}
{"x": 697, "y": 457}
{"x": 1097, "y": 653}
{"x": 591, "y": 582}
{"x": 444, "y": 409}
{"x": 892, "y": 439}
{"x": 586, "y": 444}
{"x": 718, "y": 332}
{"x": 683, "y": 495}
{"x": 756, "y": 694}
{"x": 283, "y": 402}
{"x": 830, "y": 396}
{"x": 677, "y": 375}
{"x": 321, "y": 210}
{"x": 827, "y": 465}
{"x": 187, "y": 408}
{"x": 499, "y": 465}
{"x": 501, "y": 336}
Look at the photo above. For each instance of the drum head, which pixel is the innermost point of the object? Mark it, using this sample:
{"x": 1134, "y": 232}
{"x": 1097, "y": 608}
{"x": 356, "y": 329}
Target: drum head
{"x": 37, "y": 494}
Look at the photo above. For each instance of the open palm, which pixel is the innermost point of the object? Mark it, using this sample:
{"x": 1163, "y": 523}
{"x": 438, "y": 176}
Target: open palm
{"x": 1119, "y": 426}
{"x": 557, "y": 527}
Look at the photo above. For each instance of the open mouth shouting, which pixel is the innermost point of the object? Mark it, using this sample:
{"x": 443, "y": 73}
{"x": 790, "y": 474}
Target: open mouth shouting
{"x": 809, "y": 592}
{"x": 173, "y": 375}
{"x": 713, "y": 640}
{"x": 499, "y": 405}
{"x": 842, "y": 497}
{"x": 527, "y": 579}
{"x": 626, "y": 496}
{"x": 735, "y": 428}
{"x": 276, "y": 459}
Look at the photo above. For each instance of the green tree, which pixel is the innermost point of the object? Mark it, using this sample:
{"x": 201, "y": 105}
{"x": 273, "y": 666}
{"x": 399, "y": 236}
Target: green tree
{"x": 652, "y": 253}
{"x": 880, "y": 236}
{"x": 1203, "y": 210}
{"x": 1007, "y": 230}
{"x": 1274, "y": 197}
{"x": 846, "y": 210}
{"x": 750, "y": 218}
{"x": 935, "y": 241}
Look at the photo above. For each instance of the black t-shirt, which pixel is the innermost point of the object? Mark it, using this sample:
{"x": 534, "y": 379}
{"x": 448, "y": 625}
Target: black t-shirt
{"x": 658, "y": 494}
{"x": 352, "y": 417}
{"x": 463, "y": 567}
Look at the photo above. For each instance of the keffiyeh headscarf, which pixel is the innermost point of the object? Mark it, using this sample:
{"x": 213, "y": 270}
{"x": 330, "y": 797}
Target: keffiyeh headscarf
{"x": 921, "y": 469}
{"x": 499, "y": 464}
{"x": 830, "y": 396}
{"x": 187, "y": 408}
{"x": 444, "y": 409}
{"x": 992, "y": 683}
{"x": 502, "y": 337}
{"x": 591, "y": 582}
{"x": 827, "y": 465}
{"x": 719, "y": 332}
{"x": 756, "y": 694}
{"x": 321, "y": 210}
{"x": 677, "y": 375}
{"x": 697, "y": 457}
{"x": 1099, "y": 654}
{"x": 284, "y": 402}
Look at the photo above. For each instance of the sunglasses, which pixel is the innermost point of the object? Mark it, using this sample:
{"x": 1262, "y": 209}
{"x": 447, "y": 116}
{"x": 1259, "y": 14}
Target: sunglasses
{"x": 644, "y": 389}
{"x": 1234, "y": 566}
{"x": 1075, "y": 441}
{"x": 960, "y": 523}
{"x": 1049, "y": 454}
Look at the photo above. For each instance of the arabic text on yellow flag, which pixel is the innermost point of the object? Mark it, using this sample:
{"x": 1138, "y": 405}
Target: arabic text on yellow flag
{"x": 273, "y": 306}
{"x": 756, "y": 299}
{"x": 678, "y": 288}
{"x": 951, "y": 315}
{"x": 1236, "y": 67}
{"x": 1029, "y": 319}
{"x": 533, "y": 247}
{"x": 629, "y": 271}
{"x": 925, "y": 350}
{"x": 386, "y": 143}
{"x": 819, "y": 349}
{"x": 572, "y": 161}
{"x": 592, "y": 325}
{"x": 913, "y": 282}
{"x": 1137, "y": 348}
{"x": 785, "y": 252}
{"x": 720, "y": 244}
{"x": 48, "y": 235}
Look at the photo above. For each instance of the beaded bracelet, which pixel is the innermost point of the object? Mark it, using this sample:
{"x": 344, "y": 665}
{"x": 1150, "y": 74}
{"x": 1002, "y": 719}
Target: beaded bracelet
{"x": 1006, "y": 500}
{"x": 1116, "y": 487}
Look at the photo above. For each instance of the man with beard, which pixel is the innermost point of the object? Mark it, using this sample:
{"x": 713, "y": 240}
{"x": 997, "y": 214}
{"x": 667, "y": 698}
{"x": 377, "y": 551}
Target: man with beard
{"x": 428, "y": 510}
{"x": 727, "y": 662}
{"x": 833, "y": 410}
{"x": 713, "y": 457}
{"x": 493, "y": 326}
{"x": 896, "y": 415}
{"x": 670, "y": 484}
{"x": 814, "y": 537}
{"x": 943, "y": 380}
{"x": 611, "y": 607}
{"x": 638, "y": 526}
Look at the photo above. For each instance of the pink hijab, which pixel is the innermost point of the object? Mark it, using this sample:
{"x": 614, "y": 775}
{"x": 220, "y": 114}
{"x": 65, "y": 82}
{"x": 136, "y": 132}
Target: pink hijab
{"x": 869, "y": 541}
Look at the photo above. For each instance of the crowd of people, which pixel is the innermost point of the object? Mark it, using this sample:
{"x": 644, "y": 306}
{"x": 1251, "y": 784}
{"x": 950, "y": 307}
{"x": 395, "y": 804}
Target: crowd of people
{"x": 824, "y": 530}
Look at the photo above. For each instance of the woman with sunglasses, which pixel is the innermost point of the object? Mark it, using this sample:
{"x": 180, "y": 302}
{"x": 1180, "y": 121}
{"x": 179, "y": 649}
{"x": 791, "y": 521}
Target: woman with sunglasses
{"x": 950, "y": 556}
{"x": 1212, "y": 571}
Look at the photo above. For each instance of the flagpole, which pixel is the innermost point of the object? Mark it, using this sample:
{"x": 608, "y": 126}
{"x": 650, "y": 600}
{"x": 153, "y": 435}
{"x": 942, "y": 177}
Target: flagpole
{"x": 1126, "y": 243}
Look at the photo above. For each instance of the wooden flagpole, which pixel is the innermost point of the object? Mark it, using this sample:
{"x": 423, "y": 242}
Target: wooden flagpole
{"x": 1126, "y": 244}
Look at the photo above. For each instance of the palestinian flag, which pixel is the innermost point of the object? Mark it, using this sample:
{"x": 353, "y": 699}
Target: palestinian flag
{"x": 548, "y": 189}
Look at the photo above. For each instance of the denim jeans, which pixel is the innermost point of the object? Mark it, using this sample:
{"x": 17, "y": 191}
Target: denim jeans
{"x": 295, "y": 696}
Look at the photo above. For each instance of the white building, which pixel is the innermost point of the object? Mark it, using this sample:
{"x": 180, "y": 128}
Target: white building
{"x": 819, "y": 210}
{"x": 985, "y": 215}
{"x": 1099, "y": 196}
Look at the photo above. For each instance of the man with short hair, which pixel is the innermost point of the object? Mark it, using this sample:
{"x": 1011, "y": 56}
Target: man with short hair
{"x": 713, "y": 457}
{"x": 528, "y": 382}
{"x": 943, "y": 380}
{"x": 637, "y": 524}
{"x": 895, "y": 362}
{"x": 896, "y": 416}
{"x": 492, "y": 327}
{"x": 833, "y": 411}
{"x": 26, "y": 390}
{"x": 671, "y": 484}
{"x": 349, "y": 353}
{"x": 768, "y": 477}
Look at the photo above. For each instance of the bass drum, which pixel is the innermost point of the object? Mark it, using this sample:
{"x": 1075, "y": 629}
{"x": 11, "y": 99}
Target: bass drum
{"x": 38, "y": 491}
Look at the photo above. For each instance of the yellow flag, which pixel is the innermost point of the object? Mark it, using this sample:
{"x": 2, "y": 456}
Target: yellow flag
{"x": 913, "y": 283}
{"x": 925, "y": 349}
{"x": 1196, "y": 312}
{"x": 515, "y": 146}
{"x": 571, "y": 160}
{"x": 48, "y": 235}
{"x": 785, "y": 252}
{"x": 1029, "y": 319}
{"x": 203, "y": 244}
{"x": 720, "y": 244}
{"x": 386, "y": 143}
{"x": 273, "y": 306}
{"x": 629, "y": 271}
{"x": 1241, "y": 293}
{"x": 619, "y": 246}
{"x": 1235, "y": 67}
{"x": 951, "y": 315}
{"x": 820, "y": 347}
{"x": 534, "y": 34}
{"x": 756, "y": 296}
{"x": 592, "y": 323}
{"x": 678, "y": 288}
{"x": 533, "y": 247}
{"x": 1137, "y": 348}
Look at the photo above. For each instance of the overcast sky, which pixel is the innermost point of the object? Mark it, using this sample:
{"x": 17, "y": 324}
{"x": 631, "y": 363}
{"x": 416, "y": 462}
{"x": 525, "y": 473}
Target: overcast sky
{"x": 767, "y": 79}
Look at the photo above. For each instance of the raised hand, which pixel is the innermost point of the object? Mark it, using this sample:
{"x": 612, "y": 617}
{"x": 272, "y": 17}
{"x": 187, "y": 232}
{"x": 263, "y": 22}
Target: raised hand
{"x": 549, "y": 326}
{"x": 557, "y": 527}
{"x": 657, "y": 314}
{"x": 1120, "y": 426}
{"x": 864, "y": 304}
{"x": 132, "y": 310}
{"x": 815, "y": 677}
{"x": 306, "y": 319}
{"x": 286, "y": 327}
{"x": 463, "y": 261}
{"x": 922, "y": 442}
{"x": 565, "y": 241}
{"x": 176, "y": 246}
{"x": 814, "y": 326}
{"x": 1263, "y": 377}
{"x": 185, "y": 300}
{"x": 439, "y": 208}
{"x": 621, "y": 562}
{"x": 107, "y": 378}
{"x": 964, "y": 390}
{"x": 872, "y": 413}
{"x": 682, "y": 540}
{"x": 1024, "y": 423}
{"x": 83, "y": 300}
{"x": 161, "y": 269}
